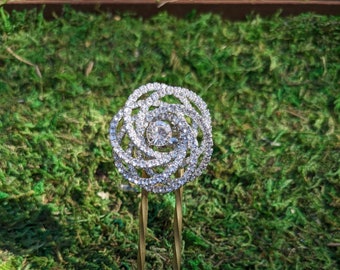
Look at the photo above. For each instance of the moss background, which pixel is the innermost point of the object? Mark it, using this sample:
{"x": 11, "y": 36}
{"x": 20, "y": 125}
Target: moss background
{"x": 270, "y": 196}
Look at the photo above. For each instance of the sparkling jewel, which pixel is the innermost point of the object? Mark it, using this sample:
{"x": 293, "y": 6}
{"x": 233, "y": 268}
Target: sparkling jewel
{"x": 159, "y": 133}
{"x": 153, "y": 139}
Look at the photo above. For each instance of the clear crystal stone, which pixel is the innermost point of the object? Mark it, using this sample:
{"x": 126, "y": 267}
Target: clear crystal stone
{"x": 159, "y": 133}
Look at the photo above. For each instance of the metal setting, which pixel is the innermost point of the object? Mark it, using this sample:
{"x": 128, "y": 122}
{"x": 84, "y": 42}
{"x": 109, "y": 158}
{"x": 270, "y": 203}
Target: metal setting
{"x": 160, "y": 130}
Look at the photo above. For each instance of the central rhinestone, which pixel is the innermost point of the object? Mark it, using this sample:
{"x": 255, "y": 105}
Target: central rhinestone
{"x": 159, "y": 133}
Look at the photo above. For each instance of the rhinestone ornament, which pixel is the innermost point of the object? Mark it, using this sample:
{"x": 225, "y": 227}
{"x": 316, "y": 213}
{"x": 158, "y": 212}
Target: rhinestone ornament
{"x": 160, "y": 130}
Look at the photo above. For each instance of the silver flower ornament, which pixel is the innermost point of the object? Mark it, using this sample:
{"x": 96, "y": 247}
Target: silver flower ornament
{"x": 160, "y": 130}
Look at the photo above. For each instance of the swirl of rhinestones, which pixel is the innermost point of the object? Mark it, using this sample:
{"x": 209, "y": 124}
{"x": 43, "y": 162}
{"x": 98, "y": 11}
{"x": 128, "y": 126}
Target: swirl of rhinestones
{"x": 160, "y": 130}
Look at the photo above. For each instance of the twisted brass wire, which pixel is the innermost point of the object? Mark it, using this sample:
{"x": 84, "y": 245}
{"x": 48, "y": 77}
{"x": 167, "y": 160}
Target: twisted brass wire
{"x": 178, "y": 225}
{"x": 143, "y": 220}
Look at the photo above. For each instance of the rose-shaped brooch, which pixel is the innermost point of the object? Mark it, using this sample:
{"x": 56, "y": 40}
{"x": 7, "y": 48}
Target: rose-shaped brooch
{"x": 161, "y": 139}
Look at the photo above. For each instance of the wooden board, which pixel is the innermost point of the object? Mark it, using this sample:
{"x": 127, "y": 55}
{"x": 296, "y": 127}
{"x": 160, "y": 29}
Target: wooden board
{"x": 231, "y": 9}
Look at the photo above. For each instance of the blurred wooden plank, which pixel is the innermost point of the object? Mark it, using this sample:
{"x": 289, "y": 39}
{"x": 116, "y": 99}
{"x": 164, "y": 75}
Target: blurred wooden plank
{"x": 169, "y": 2}
{"x": 230, "y": 9}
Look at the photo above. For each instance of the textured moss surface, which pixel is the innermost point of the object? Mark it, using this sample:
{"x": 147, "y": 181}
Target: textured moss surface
{"x": 268, "y": 200}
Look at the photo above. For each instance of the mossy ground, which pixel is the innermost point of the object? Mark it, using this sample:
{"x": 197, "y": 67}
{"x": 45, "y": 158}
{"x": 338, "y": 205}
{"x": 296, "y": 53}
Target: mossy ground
{"x": 268, "y": 200}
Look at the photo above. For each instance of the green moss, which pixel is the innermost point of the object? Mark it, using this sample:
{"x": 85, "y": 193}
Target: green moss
{"x": 268, "y": 200}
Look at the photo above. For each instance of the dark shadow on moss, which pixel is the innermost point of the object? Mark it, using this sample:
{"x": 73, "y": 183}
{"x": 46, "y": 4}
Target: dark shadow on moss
{"x": 29, "y": 228}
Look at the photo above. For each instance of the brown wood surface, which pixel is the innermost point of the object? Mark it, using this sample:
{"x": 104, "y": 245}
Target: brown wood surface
{"x": 231, "y": 9}
{"x": 169, "y": 2}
